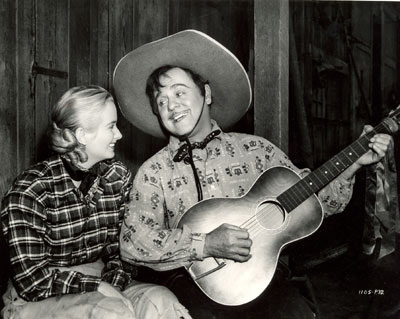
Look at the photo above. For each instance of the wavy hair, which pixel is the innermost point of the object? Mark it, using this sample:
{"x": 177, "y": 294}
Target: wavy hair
{"x": 76, "y": 108}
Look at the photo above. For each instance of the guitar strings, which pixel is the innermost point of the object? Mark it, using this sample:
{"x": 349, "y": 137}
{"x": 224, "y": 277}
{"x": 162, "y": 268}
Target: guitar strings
{"x": 254, "y": 224}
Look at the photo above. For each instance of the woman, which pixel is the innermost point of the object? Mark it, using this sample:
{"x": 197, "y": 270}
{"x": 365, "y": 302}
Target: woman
{"x": 61, "y": 220}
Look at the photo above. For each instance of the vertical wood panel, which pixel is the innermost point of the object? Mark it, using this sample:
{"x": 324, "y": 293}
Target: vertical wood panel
{"x": 179, "y": 17}
{"x": 25, "y": 88}
{"x": 86, "y": 39}
{"x": 99, "y": 43}
{"x": 79, "y": 38}
{"x": 51, "y": 52}
{"x": 121, "y": 42}
{"x": 152, "y": 25}
{"x": 150, "y": 22}
{"x": 271, "y": 85}
{"x": 8, "y": 114}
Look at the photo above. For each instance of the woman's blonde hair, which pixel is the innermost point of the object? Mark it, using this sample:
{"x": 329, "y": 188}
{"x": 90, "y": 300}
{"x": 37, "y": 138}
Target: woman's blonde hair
{"x": 78, "y": 107}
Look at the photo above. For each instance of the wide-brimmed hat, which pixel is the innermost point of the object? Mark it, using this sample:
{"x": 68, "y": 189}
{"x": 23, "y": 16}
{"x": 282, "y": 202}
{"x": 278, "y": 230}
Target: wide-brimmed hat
{"x": 230, "y": 85}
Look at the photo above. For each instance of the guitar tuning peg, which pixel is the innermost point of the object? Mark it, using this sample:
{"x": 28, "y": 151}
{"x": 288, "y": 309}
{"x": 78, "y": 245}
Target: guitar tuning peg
{"x": 391, "y": 124}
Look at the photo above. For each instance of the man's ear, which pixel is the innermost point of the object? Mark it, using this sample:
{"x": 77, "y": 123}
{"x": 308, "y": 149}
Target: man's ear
{"x": 81, "y": 135}
{"x": 208, "y": 96}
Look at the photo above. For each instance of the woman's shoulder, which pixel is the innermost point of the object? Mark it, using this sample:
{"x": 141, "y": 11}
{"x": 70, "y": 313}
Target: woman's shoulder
{"x": 35, "y": 178}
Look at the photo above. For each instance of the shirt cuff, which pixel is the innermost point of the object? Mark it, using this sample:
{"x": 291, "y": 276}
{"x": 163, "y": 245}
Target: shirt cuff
{"x": 345, "y": 182}
{"x": 89, "y": 283}
{"x": 197, "y": 248}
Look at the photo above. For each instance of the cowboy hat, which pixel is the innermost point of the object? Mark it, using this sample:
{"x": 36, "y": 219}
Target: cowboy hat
{"x": 230, "y": 85}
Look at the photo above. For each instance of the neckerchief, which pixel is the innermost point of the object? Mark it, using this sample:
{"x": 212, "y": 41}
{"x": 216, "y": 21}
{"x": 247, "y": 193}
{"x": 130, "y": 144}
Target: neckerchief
{"x": 183, "y": 151}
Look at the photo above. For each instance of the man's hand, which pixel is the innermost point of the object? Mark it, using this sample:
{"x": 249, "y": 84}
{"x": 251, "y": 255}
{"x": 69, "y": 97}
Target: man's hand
{"x": 228, "y": 241}
{"x": 378, "y": 145}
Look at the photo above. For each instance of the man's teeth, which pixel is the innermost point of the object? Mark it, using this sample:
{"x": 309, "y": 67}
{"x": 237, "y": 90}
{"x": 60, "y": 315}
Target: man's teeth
{"x": 178, "y": 117}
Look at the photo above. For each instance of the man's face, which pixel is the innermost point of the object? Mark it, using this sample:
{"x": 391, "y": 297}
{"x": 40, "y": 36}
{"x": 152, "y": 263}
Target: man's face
{"x": 180, "y": 104}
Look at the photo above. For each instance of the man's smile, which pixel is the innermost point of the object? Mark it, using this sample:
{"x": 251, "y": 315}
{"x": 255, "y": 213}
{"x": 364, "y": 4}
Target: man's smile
{"x": 179, "y": 116}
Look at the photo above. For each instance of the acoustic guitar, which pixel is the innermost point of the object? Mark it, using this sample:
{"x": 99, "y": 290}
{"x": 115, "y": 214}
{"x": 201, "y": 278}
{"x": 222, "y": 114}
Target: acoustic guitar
{"x": 279, "y": 208}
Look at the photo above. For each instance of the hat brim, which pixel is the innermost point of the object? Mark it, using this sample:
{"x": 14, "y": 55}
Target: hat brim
{"x": 230, "y": 85}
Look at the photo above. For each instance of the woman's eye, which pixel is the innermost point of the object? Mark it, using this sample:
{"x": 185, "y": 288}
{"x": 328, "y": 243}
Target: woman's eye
{"x": 180, "y": 93}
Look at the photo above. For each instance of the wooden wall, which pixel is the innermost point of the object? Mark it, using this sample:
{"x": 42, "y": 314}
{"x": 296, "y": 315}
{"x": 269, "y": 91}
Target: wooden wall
{"x": 348, "y": 54}
{"x": 51, "y": 45}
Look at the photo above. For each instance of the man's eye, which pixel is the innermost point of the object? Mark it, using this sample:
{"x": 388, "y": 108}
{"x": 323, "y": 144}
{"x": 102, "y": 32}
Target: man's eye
{"x": 162, "y": 103}
{"x": 180, "y": 93}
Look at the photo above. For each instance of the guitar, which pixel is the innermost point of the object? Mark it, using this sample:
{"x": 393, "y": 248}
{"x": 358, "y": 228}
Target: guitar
{"x": 279, "y": 208}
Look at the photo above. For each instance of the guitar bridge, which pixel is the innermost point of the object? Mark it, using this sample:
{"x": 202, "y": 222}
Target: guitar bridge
{"x": 198, "y": 270}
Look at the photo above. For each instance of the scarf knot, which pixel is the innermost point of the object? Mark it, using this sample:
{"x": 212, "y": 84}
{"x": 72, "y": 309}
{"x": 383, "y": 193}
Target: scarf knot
{"x": 183, "y": 151}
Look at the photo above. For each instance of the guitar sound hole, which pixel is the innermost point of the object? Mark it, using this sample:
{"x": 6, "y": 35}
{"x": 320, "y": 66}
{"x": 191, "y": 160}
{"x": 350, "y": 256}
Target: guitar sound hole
{"x": 270, "y": 215}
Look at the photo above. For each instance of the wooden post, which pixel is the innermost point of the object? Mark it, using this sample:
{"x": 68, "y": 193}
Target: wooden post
{"x": 8, "y": 95}
{"x": 271, "y": 70}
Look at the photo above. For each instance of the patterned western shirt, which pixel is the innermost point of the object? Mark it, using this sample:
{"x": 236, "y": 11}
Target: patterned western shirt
{"x": 164, "y": 190}
{"x": 48, "y": 222}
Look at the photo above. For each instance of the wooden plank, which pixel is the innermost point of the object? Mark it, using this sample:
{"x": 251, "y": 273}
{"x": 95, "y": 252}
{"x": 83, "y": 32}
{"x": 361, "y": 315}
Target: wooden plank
{"x": 241, "y": 38}
{"x": 51, "y": 52}
{"x": 377, "y": 65}
{"x": 8, "y": 107}
{"x": 121, "y": 17}
{"x": 151, "y": 21}
{"x": 297, "y": 103}
{"x": 79, "y": 35}
{"x": 179, "y": 15}
{"x": 134, "y": 24}
{"x": 398, "y": 59}
{"x": 25, "y": 87}
{"x": 99, "y": 43}
{"x": 154, "y": 13}
{"x": 271, "y": 84}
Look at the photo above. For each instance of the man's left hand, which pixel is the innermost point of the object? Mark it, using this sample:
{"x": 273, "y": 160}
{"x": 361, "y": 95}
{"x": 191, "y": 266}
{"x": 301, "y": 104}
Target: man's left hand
{"x": 379, "y": 144}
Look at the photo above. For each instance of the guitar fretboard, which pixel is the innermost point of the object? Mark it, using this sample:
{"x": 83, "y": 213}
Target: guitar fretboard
{"x": 315, "y": 181}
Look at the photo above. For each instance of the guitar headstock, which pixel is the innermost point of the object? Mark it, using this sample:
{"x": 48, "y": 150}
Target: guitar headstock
{"x": 393, "y": 120}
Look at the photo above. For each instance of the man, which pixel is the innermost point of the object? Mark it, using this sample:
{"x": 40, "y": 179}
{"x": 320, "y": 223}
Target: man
{"x": 196, "y": 88}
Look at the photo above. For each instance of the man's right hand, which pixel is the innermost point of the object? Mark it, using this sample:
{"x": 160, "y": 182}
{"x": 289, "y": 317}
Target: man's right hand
{"x": 228, "y": 241}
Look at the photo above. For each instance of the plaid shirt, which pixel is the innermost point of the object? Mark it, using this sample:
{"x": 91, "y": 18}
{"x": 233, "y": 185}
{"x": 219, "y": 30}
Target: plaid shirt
{"x": 48, "y": 222}
{"x": 164, "y": 190}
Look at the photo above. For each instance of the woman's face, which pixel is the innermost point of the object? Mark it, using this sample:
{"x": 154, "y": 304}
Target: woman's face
{"x": 100, "y": 142}
{"x": 180, "y": 104}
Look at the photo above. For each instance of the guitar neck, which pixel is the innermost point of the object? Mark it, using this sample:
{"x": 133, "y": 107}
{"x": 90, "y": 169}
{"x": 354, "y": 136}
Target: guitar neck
{"x": 315, "y": 181}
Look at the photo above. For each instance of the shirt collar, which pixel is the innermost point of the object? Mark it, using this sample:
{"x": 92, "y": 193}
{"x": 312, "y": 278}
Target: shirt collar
{"x": 174, "y": 142}
{"x": 101, "y": 169}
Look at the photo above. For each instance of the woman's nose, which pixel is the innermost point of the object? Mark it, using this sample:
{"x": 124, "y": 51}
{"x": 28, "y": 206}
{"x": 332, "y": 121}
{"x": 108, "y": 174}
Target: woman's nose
{"x": 117, "y": 134}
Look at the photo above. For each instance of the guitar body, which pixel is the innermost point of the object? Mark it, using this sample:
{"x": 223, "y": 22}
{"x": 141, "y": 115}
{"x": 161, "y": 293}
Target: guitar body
{"x": 270, "y": 228}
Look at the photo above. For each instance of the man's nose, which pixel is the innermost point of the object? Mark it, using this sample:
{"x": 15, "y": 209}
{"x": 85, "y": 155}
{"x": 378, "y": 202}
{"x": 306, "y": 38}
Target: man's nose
{"x": 173, "y": 103}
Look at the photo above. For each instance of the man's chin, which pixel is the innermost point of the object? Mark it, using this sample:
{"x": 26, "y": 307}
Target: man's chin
{"x": 182, "y": 132}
